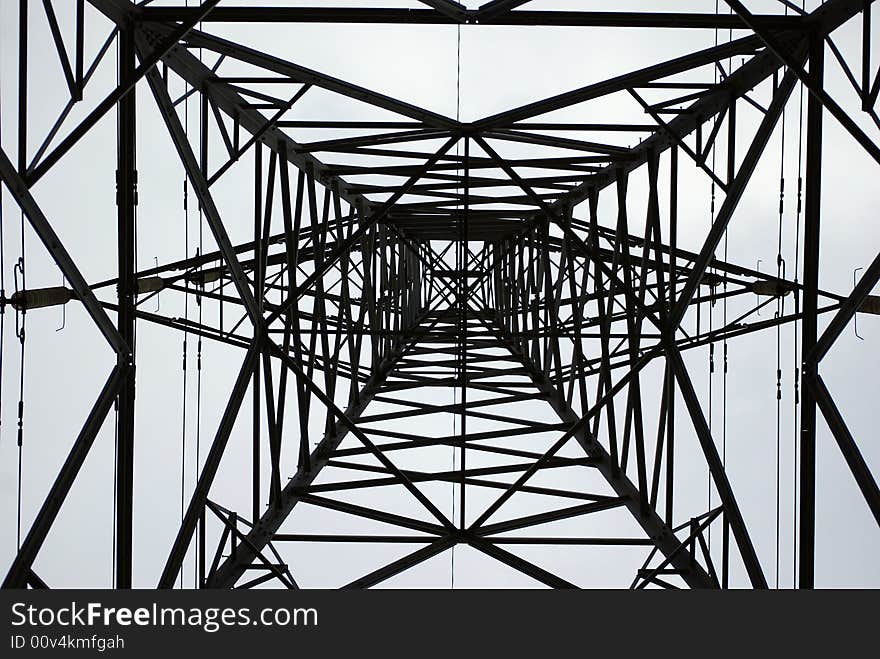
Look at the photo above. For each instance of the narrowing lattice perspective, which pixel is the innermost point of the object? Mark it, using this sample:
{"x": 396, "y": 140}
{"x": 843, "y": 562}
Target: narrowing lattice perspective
{"x": 434, "y": 334}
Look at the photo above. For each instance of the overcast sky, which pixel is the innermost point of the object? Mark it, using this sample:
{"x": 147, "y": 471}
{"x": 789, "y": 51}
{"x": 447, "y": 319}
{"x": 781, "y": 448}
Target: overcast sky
{"x": 501, "y": 67}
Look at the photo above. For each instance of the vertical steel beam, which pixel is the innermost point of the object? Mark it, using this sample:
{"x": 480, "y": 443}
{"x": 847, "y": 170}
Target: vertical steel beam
{"x": 462, "y": 295}
{"x": 126, "y": 198}
{"x": 670, "y": 376}
{"x": 258, "y": 295}
{"x": 812, "y": 211}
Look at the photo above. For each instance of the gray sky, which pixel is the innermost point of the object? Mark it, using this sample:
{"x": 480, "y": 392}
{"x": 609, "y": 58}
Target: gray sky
{"x": 501, "y": 67}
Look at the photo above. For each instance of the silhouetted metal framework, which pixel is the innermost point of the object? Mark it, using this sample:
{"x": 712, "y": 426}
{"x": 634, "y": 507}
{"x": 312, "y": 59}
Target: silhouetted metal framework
{"x": 461, "y": 269}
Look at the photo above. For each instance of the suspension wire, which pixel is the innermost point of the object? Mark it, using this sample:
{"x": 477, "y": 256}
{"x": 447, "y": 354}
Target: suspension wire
{"x": 115, "y": 418}
{"x": 711, "y": 305}
{"x": 115, "y": 454}
{"x": 201, "y": 538}
{"x": 454, "y": 467}
{"x": 197, "y": 462}
{"x": 459, "y": 266}
{"x": 724, "y": 319}
{"x": 796, "y": 378}
{"x": 186, "y": 325}
{"x": 711, "y": 362}
{"x": 725, "y": 535}
{"x": 21, "y": 333}
{"x": 725, "y": 523}
{"x": 780, "y": 311}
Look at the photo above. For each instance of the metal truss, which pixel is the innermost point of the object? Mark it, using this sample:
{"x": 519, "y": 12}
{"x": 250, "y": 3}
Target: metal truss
{"x": 417, "y": 256}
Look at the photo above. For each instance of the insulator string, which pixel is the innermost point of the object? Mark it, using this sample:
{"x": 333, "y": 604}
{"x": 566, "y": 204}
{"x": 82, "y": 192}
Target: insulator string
{"x": 21, "y": 333}
{"x": 21, "y": 337}
{"x": 780, "y": 310}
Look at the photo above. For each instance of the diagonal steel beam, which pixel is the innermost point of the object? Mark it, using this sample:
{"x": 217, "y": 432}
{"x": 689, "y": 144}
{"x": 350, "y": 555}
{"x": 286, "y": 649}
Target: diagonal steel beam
{"x": 552, "y": 215}
{"x": 401, "y": 564}
{"x": 847, "y": 444}
{"x": 793, "y": 62}
{"x": 453, "y": 10}
{"x": 295, "y": 72}
{"x": 825, "y": 19}
{"x": 520, "y": 564}
{"x": 716, "y": 467}
{"x": 200, "y": 185}
{"x": 110, "y": 101}
{"x": 659, "y": 533}
{"x": 263, "y": 531}
{"x": 495, "y": 8}
{"x": 24, "y": 559}
{"x": 18, "y": 188}
{"x": 848, "y": 309}
{"x": 355, "y": 237}
{"x": 743, "y": 46}
{"x": 731, "y": 201}
{"x": 209, "y": 469}
{"x": 231, "y": 570}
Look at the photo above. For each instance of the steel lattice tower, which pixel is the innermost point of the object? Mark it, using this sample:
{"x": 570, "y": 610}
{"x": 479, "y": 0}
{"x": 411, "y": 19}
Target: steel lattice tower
{"x": 399, "y": 262}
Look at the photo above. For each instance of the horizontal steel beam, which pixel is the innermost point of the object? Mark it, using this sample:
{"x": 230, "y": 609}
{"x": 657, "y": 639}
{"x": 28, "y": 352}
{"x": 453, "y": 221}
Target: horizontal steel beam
{"x": 625, "y": 19}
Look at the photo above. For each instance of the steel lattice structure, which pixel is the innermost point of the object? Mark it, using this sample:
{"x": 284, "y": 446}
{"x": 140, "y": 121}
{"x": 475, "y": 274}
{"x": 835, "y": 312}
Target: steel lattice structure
{"x": 369, "y": 284}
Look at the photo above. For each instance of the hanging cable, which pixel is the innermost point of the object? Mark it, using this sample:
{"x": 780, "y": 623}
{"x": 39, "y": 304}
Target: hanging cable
{"x": 796, "y": 379}
{"x": 454, "y": 467}
{"x": 725, "y": 528}
{"x": 21, "y": 334}
{"x": 459, "y": 266}
{"x": 780, "y": 311}
{"x": 201, "y": 537}
{"x": 197, "y": 461}
{"x": 711, "y": 305}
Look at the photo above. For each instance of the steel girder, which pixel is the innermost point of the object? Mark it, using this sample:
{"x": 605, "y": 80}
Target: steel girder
{"x": 406, "y": 289}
